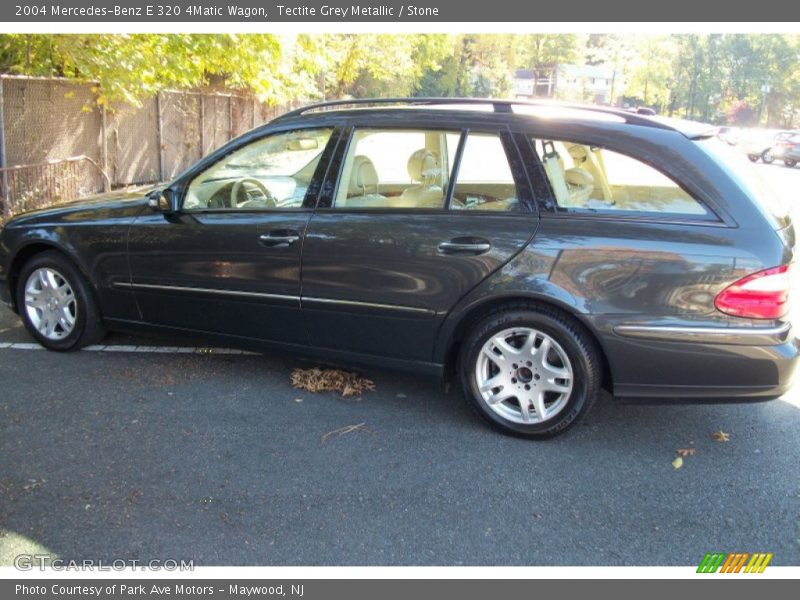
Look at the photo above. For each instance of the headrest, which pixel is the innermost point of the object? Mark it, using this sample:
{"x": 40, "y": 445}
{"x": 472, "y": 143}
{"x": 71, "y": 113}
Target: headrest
{"x": 578, "y": 153}
{"x": 423, "y": 166}
{"x": 578, "y": 177}
{"x": 363, "y": 176}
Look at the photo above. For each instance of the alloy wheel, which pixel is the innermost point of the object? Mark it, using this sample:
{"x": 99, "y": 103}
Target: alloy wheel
{"x": 524, "y": 375}
{"x": 50, "y": 303}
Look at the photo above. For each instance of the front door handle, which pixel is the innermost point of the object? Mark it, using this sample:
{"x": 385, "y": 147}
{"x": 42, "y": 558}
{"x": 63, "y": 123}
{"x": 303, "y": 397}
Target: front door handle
{"x": 465, "y": 246}
{"x": 279, "y": 237}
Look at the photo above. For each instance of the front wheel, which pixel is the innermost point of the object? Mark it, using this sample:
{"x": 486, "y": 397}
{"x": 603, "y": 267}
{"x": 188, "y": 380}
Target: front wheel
{"x": 753, "y": 157}
{"x": 530, "y": 372}
{"x": 789, "y": 163}
{"x": 56, "y": 303}
{"x": 767, "y": 156}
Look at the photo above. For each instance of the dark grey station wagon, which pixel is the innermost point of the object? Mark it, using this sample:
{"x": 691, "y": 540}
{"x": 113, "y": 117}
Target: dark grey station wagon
{"x": 534, "y": 253}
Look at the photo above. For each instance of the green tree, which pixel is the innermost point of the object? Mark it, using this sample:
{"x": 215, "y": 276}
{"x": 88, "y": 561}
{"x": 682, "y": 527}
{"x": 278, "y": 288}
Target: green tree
{"x": 651, "y": 74}
{"x": 130, "y": 67}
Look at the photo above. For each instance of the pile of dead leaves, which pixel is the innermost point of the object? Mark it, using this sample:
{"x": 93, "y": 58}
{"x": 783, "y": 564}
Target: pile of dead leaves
{"x": 331, "y": 380}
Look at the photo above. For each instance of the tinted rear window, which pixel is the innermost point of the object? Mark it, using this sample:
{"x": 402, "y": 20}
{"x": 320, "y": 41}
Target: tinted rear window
{"x": 735, "y": 163}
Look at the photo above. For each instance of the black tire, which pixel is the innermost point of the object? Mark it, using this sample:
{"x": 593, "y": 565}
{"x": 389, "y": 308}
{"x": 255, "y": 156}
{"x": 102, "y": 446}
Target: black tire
{"x": 767, "y": 157}
{"x": 576, "y": 342}
{"x": 789, "y": 163}
{"x": 753, "y": 157}
{"x": 88, "y": 327}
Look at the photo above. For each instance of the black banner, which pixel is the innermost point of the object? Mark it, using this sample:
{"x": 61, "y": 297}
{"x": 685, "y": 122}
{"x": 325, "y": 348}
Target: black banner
{"x": 400, "y": 11}
{"x": 332, "y": 589}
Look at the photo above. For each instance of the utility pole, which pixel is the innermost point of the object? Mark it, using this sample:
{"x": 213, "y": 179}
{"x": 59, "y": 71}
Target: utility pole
{"x": 765, "y": 90}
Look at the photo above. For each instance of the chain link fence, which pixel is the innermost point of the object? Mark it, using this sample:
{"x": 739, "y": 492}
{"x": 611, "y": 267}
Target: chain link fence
{"x": 57, "y": 144}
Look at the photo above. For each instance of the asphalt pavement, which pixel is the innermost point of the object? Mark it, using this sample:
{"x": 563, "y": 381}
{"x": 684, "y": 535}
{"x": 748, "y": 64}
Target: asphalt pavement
{"x": 217, "y": 458}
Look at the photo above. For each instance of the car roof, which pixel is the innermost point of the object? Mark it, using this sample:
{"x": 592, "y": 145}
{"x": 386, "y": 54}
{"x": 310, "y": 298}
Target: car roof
{"x": 589, "y": 114}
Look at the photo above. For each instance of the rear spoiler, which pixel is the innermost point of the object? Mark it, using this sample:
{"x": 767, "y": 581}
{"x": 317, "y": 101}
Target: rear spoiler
{"x": 694, "y": 130}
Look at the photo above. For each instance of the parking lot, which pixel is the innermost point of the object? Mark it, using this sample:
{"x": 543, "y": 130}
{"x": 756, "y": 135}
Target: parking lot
{"x": 141, "y": 454}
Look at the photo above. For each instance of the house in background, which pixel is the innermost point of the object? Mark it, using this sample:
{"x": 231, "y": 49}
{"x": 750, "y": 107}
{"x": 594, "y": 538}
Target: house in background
{"x": 584, "y": 83}
{"x": 533, "y": 83}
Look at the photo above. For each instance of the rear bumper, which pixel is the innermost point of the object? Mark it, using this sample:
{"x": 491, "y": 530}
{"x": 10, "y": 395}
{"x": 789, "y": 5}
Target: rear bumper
{"x": 703, "y": 365}
{"x": 788, "y": 154}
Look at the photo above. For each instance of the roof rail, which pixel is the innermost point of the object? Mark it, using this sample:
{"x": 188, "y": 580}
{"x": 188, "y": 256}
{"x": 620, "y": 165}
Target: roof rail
{"x": 499, "y": 106}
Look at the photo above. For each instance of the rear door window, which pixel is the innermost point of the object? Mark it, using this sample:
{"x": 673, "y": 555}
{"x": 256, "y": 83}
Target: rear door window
{"x": 485, "y": 180}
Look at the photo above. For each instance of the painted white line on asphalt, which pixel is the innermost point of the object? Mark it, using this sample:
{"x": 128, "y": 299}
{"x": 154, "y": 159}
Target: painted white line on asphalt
{"x": 137, "y": 349}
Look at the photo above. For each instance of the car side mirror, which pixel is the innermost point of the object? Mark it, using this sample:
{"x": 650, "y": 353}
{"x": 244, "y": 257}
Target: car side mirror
{"x": 162, "y": 201}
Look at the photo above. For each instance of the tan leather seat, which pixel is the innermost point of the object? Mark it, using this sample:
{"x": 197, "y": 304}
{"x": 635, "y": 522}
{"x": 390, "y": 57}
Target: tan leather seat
{"x": 590, "y": 160}
{"x": 362, "y": 191}
{"x": 423, "y": 168}
{"x": 572, "y": 187}
{"x": 580, "y": 184}
{"x": 363, "y": 177}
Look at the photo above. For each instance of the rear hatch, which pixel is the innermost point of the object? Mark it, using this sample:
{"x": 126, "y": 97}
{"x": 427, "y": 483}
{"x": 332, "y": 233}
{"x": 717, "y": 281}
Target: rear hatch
{"x": 770, "y": 201}
{"x": 762, "y": 295}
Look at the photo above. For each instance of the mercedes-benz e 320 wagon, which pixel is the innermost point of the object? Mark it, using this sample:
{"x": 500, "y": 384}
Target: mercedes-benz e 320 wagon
{"x": 533, "y": 253}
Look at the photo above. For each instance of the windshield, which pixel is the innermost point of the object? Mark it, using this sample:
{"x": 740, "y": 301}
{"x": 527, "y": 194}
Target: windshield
{"x": 280, "y": 155}
{"x": 735, "y": 163}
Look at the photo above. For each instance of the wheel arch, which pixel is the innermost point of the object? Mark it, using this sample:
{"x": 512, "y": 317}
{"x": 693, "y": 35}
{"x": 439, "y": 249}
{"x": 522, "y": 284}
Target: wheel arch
{"x": 26, "y": 252}
{"x": 474, "y": 313}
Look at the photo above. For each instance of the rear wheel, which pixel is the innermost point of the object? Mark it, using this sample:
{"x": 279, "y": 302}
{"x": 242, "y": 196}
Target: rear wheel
{"x": 531, "y": 373}
{"x": 56, "y": 303}
{"x": 789, "y": 163}
{"x": 767, "y": 156}
{"x": 753, "y": 157}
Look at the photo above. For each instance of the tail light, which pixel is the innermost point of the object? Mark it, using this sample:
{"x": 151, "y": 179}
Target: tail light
{"x": 762, "y": 295}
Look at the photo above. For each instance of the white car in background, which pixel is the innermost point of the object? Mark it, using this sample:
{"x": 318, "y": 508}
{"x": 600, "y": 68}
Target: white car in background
{"x": 729, "y": 135}
{"x": 758, "y": 143}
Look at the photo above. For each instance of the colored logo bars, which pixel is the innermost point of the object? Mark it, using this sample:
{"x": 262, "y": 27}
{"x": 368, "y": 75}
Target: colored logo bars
{"x": 734, "y": 562}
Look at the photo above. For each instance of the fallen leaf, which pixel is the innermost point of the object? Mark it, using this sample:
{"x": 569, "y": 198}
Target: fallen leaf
{"x": 685, "y": 452}
{"x": 32, "y": 484}
{"x": 331, "y": 380}
{"x": 678, "y": 462}
{"x": 344, "y": 430}
{"x": 721, "y": 436}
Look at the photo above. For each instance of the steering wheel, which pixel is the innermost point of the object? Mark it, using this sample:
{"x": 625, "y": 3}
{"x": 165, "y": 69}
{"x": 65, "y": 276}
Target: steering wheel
{"x": 266, "y": 199}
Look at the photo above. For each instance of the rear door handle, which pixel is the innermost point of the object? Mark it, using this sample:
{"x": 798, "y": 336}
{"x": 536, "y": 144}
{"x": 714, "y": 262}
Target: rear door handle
{"x": 465, "y": 246}
{"x": 279, "y": 237}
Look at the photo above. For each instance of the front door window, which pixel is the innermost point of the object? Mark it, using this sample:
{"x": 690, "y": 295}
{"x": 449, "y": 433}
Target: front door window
{"x": 271, "y": 173}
